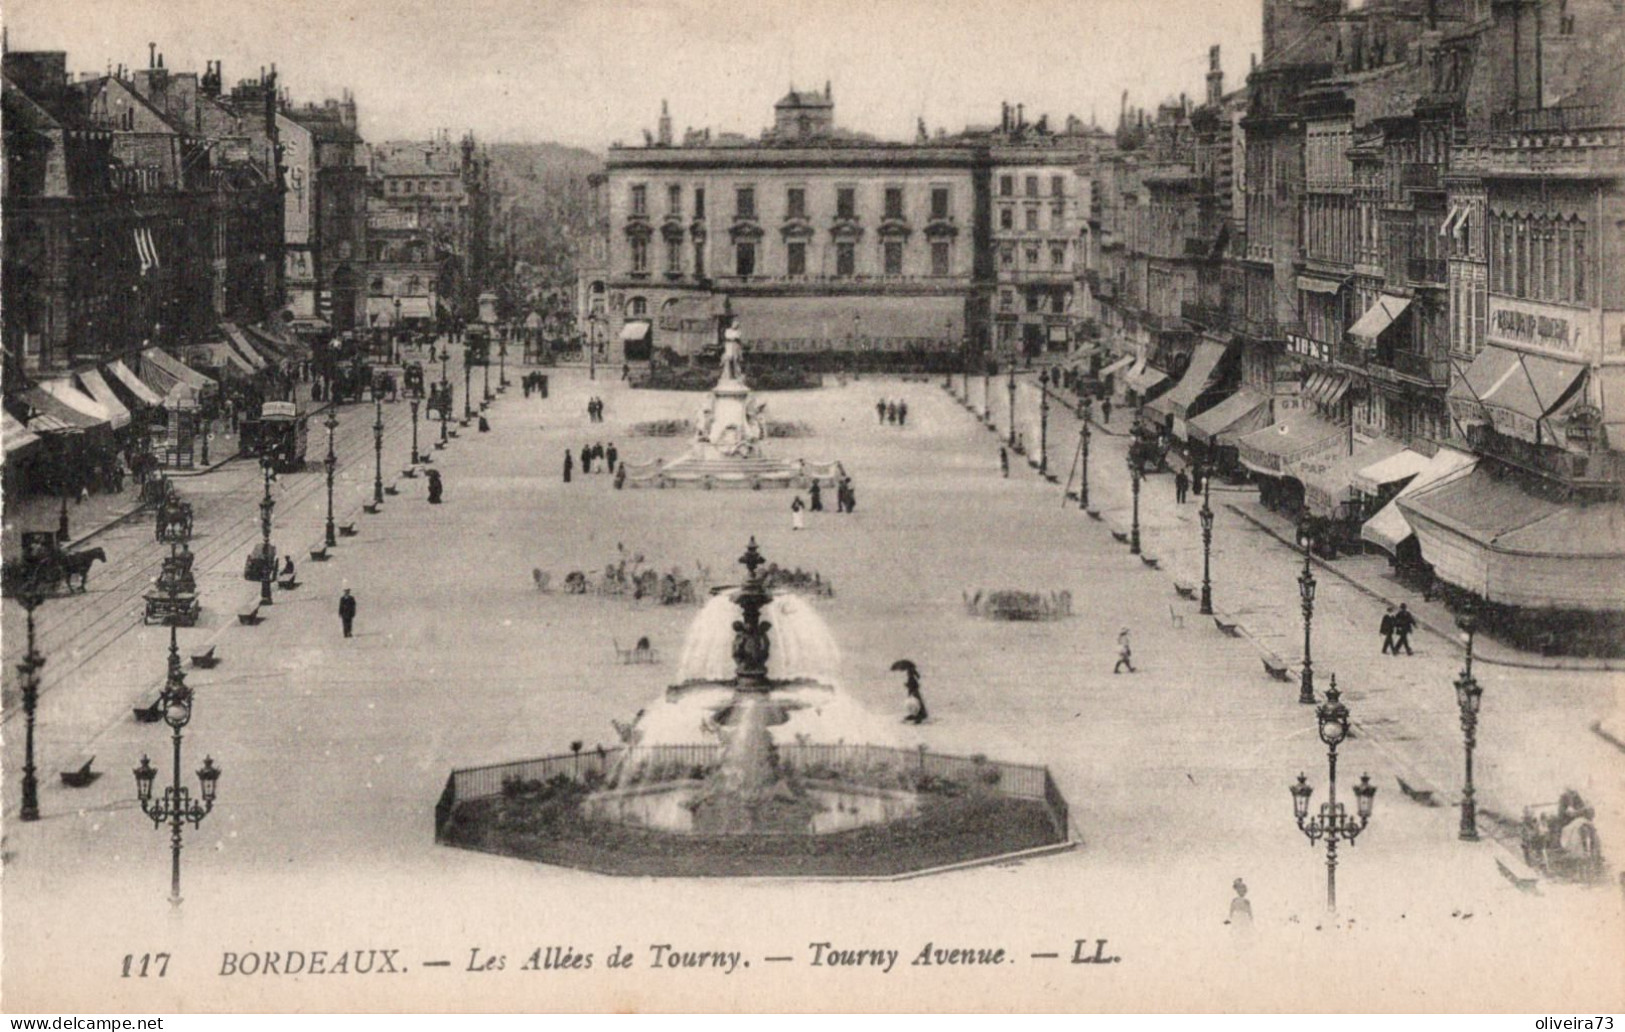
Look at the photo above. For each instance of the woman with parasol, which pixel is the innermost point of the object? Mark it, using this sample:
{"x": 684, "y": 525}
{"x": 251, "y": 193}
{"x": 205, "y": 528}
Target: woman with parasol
{"x": 917, "y": 713}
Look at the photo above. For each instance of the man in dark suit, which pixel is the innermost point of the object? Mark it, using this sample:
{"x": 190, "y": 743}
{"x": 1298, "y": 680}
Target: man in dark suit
{"x": 347, "y": 611}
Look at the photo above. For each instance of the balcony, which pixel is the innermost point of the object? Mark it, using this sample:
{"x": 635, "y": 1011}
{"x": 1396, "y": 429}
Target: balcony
{"x": 1205, "y": 315}
{"x": 1430, "y": 272}
{"x": 1261, "y": 329}
{"x": 1554, "y": 119}
{"x": 1426, "y": 369}
{"x": 1418, "y": 175}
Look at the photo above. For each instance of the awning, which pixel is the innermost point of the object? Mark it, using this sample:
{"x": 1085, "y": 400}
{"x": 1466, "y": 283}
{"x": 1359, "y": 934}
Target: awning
{"x": 163, "y": 372}
{"x": 1381, "y": 315}
{"x": 69, "y": 394}
{"x": 1143, "y": 377}
{"x": 1402, "y": 465}
{"x": 1200, "y": 377}
{"x": 1328, "y": 477}
{"x": 861, "y": 322}
{"x": 1268, "y": 451}
{"x": 226, "y": 357}
{"x": 1388, "y": 528}
{"x": 1318, "y": 285}
{"x": 533, "y": 321}
{"x": 1513, "y": 391}
{"x": 277, "y": 345}
{"x": 17, "y": 437}
{"x": 309, "y": 324}
{"x": 132, "y": 383}
{"x": 239, "y": 340}
{"x": 635, "y": 331}
{"x": 1241, "y": 413}
{"x": 97, "y": 388}
{"x": 1611, "y": 395}
{"x": 417, "y": 306}
{"x": 1117, "y": 366}
{"x": 381, "y": 312}
{"x": 51, "y": 416}
{"x": 1486, "y": 533}
{"x": 1325, "y": 389}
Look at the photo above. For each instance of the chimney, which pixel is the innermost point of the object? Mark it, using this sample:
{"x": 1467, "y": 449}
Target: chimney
{"x": 829, "y": 91}
{"x": 152, "y": 55}
{"x": 1215, "y": 77}
{"x": 1021, "y": 117}
{"x": 665, "y": 124}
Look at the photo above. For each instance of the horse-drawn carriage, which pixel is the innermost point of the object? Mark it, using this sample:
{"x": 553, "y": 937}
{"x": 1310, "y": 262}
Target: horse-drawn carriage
{"x": 173, "y": 519}
{"x": 46, "y": 568}
{"x": 174, "y": 600}
{"x": 279, "y": 434}
{"x": 412, "y": 375}
{"x": 1560, "y": 840}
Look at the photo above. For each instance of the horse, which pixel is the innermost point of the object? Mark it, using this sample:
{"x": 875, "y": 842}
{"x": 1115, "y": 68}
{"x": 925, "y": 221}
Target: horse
{"x": 77, "y": 564}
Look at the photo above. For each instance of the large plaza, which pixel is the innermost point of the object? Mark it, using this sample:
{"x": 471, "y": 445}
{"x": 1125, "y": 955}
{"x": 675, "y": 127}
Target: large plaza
{"x": 335, "y": 750}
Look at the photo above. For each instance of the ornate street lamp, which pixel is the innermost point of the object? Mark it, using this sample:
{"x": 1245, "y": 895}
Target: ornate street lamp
{"x": 1043, "y": 423}
{"x": 987, "y": 391}
{"x": 502, "y": 359}
{"x": 1469, "y": 694}
{"x": 1012, "y": 385}
{"x": 1306, "y": 592}
{"x": 486, "y": 366}
{"x": 378, "y": 452}
{"x": 177, "y": 806}
{"x": 24, "y": 584}
{"x": 1136, "y": 469}
{"x": 331, "y": 463}
{"x": 468, "y": 382}
{"x": 1332, "y": 823}
{"x": 267, "y": 557}
{"x": 1206, "y": 516}
{"x": 1084, "y": 414}
{"x": 414, "y": 403}
{"x": 208, "y": 425}
{"x": 445, "y": 390}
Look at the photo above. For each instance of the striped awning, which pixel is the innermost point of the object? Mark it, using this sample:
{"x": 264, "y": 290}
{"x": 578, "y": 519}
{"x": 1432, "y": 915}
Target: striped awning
{"x": 1118, "y": 366}
{"x": 1389, "y": 528}
{"x": 69, "y": 394}
{"x": 97, "y": 388}
{"x": 239, "y": 340}
{"x": 132, "y": 383}
{"x": 50, "y": 416}
{"x": 1326, "y": 389}
{"x": 1272, "y": 449}
{"x": 1378, "y": 318}
{"x": 1242, "y": 412}
{"x": 17, "y": 437}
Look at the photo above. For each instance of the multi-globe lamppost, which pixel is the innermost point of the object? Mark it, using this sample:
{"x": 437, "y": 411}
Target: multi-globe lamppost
{"x": 1306, "y": 593}
{"x": 1085, "y": 411}
{"x": 1206, "y": 516}
{"x": 1469, "y": 693}
{"x": 1043, "y": 422}
{"x": 445, "y": 389}
{"x": 414, "y": 403}
{"x": 23, "y": 584}
{"x": 177, "y": 806}
{"x": 331, "y": 464}
{"x": 468, "y": 382}
{"x": 378, "y": 451}
{"x": 1012, "y": 385}
{"x": 1332, "y": 823}
{"x": 267, "y": 557}
{"x": 1136, "y": 470}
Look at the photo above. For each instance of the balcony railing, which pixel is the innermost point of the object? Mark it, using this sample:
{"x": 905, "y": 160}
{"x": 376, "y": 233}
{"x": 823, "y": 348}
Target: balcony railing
{"x": 1261, "y": 329}
{"x": 1554, "y": 119}
{"x": 1419, "y": 176}
{"x": 1431, "y": 271}
{"x": 1205, "y": 315}
{"x": 1416, "y": 366}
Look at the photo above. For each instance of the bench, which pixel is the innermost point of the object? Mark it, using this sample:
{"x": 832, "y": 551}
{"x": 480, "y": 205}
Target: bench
{"x": 1094, "y": 514}
{"x": 288, "y": 583}
{"x": 642, "y": 652}
{"x": 372, "y": 508}
{"x": 1524, "y": 879}
{"x": 206, "y": 660}
{"x": 409, "y": 472}
{"x": 393, "y": 488}
{"x": 1120, "y": 536}
{"x": 249, "y": 615}
{"x": 1185, "y": 589}
{"x": 439, "y": 445}
{"x": 347, "y": 530}
{"x": 1149, "y": 560}
{"x": 319, "y": 555}
{"x": 1275, "y": 666}
{"x": 1227, "y": 626}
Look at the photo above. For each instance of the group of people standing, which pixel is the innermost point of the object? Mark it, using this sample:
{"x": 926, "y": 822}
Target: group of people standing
{"x": 893, "y": 412}
{"x": 846, "y": 500}
{"x": 607, "y": 459}
{"x": 595, "y": 410}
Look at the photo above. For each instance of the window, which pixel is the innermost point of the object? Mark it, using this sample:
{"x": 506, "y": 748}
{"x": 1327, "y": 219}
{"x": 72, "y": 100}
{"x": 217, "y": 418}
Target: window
{"x": 894, "y": 202}
{"x": 1057, "y": 215}
{"x": 1007, "y": 218}
{"x": 637, "y": 306}
{"x": 1007, "y": 186}
{"x": 941, "y": 259}
{"x": 699, "y": 257}
{"x": 846, "y": 203}
{"x": 1581, "y": 288}
{"x": 1057, "y": 254}
{"x": 1032, "y": 256}
{"x": 394, "y": 186}
{"x": 939, "y": 202}
{"x": 1057, "y": 186}
{"x": 1034, "y": 300}
{"x": 745, "y": 203}
{"x": 1007, "y": 300}
{"x": 796, "y": 264}
{"x": 699, "y": 202}
{"x": 1032, "y": 217}
{"x": 640, "y": 256}
{"x": 1058, "y": 301}
{"x": 640, "y": 199}
{"x": 674, "y": 257}
{"x": 1032, "y": 186}
{"x": 846, "y": 259}
{"x": 745, "y": 259}
{"x": 1007, "y": 257}
{"x": 892, "y": 252}
{"x": 795, "y": 203}
{"x": 674, "y": 199}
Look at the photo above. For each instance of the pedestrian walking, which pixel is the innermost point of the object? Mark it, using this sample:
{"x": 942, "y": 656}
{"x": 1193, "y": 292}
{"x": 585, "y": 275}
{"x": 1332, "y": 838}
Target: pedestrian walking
{"x": 1241, "y": 911}
{"x": 1387, "y": 629}
{"x": 1106, "y": 412}
{"x": 815, "y": 496}
{"x": 485, "y": 425}
{"x": 586, "y": 459}
{"x": 347, "y": 612}
{"x": 917, "y": 712}
{"x": 569, "y": 464}
{"x": 798, "y": 514}
{"x": 851, "y": 497}
{"x": 1125, "y": 653}
{"x": 1404, "y": 624}
{"x": 880, "y": 410}
{"x": 902, "y": 413}
{"x": 891, "y": 412}
{"x": 435, "y": 487}
{"x": 626, "y": 371}
{"x": 1004, "y": 462}
{"x": 598, "y": 454}
{"x": 611, "y": 455}
{"x": 1182, "y": 484}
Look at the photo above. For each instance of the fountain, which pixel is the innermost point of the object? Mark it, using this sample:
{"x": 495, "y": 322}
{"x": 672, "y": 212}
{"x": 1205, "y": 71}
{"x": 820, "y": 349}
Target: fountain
{"x": 767, "y": 768}
{"x": 727, "y": 449}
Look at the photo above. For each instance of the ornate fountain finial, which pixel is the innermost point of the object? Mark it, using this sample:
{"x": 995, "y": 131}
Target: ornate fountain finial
{"x": 750, "y": 633}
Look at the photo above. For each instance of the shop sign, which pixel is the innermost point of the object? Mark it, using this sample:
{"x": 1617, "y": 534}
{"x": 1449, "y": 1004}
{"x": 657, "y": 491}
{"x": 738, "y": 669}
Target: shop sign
{"x": 1522, "y": 324}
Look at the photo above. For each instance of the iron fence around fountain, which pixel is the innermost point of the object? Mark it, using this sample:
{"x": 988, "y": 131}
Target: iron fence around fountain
{"x": 811, "y": 760}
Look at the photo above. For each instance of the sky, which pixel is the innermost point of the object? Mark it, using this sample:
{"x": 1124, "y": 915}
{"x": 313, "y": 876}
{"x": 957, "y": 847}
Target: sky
{"x": 591, "y": 72}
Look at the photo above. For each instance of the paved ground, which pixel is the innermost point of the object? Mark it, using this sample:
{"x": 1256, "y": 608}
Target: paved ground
{"x": 335, "y": 750}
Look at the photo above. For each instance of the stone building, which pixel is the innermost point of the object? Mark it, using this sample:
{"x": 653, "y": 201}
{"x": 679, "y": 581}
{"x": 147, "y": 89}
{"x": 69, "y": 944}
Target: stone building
{"x": 443, "y": 189}
{"x": 325, "y": 243}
